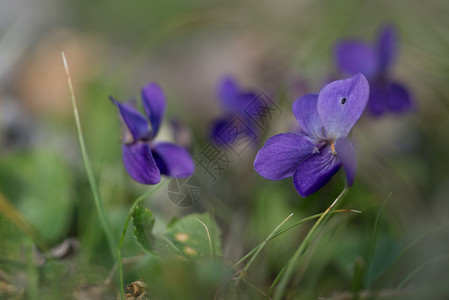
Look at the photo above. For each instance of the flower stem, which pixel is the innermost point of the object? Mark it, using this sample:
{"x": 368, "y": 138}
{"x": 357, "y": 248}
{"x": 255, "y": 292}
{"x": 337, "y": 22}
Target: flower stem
{"x": 120, "y": 270}
{"x": 120, "y": 244}
{"x": 136, "y": 202}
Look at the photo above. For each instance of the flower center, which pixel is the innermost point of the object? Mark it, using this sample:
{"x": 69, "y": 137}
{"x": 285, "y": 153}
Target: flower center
{"x": 333, "y": 151}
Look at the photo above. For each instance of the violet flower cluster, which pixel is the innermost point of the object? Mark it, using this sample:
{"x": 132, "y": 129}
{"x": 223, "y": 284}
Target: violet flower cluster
{"x": 311, "y": 156}
{"x": 146, "y": 160}
{"x": 314, "y": 155}
{"x": 375, "y": 62}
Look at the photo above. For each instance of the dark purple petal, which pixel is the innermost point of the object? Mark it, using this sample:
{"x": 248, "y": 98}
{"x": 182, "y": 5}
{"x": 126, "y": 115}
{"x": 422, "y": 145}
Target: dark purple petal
{"x": 281, "y": 155}
{"x": 399, "y": 98}
{"x": 228, "y": 93}
{"x": 346, "y": 154}
{"x": 173, "y": 160}
{"x": 377, "y": 104}
{"x": 154, "y": 104}
{"x": 133, "y": 119}
{"x": 250, "y": 101}
{"x": 218, "y": 128}
{"x": 140, "y": 164}
{"x": 388, "y": 96}
{"x": 313, "y": 173}
{"x": 305, "y": 111}
{"x": 356, "y": 57}
{"x": 341, "y": 103}
{"x": 386, "y": 43}
{"x": 234, "y": 130}
{"x": 232, "y": 98}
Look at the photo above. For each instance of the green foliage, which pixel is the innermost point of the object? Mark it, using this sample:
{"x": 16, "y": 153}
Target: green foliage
{"x": 192, "y": 237}
{"x": 143, "y": 226}
{"x": 39, "y": 185}
{"x": 400, "y": 254}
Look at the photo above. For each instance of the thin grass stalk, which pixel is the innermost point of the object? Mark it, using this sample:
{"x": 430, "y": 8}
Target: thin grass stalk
{"x": 281, "y": 231}
{"x": 284, "y": 276}
{"x": 372, "y": 246}
{"x": 89, "y": 170}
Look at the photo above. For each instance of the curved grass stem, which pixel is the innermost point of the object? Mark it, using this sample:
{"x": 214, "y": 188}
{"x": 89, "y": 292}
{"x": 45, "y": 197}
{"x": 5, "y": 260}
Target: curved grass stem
{"x": 283, "y": 230}
{"x": 261, "y": 246}
{"x": 284, "y": 276}
{"x": 89, "y": 170}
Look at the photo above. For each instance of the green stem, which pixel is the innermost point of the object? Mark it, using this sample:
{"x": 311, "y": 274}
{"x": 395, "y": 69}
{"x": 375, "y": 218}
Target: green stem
{"x": 87, "y": 164}
{"x": 284, "y": 276}
{"x": 120, "y": 244}
{"x": 120, "y": 271}
{"x": 136, "y": 202}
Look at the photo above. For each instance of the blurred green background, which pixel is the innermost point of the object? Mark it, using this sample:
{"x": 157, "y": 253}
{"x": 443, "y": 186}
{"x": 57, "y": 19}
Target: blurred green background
{"x": 284, "y": 48}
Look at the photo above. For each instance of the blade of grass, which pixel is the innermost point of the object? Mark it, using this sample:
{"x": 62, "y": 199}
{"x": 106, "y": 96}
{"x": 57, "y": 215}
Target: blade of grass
{"x": 262, "y": 245}
{"x": 212, "y": 254}
{"x": 281, "y": 231}
{"x": 313, "y": 217}
{"x": 372, "y": 246}
{"x": 284, "y": 276}
{"x": 417, "y": 269}
{"x": 357, "y": 278}
{"x": 87, "y": 164}
{"x": 11, "y": 213}
{"x": 434, "y": 231}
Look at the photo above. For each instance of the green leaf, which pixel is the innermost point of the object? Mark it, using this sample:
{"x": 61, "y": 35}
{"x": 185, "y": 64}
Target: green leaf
{"x": 143, "y": 223}
{"x": 195, "y": 235}
{"x": 192, "y": 237}
{"x": 38, "y": 183}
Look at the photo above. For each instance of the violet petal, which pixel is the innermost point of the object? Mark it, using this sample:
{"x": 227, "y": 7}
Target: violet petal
{"x": 313, "y": 173}
{"x": 356, "y": 57}
{"x": 140, "y": 164}
{"x": 218, "y": 128}
{"x": 346, "y": 154}
{"x": 389, "y": 96}
{"x": 133, "y": 119}
{"x": 232, "y": 98}
{"x": 341, "y": 103}
{"x": 173, "y": 160}
{"x": 378, "y": 98}
{"x": 305, "y": 111}
{"x": 154, "y": 104}
{"x": 281, "y": 155}
{"x": 399, "y": 98}
{"x": 386, "y": 43}
{"x": 228, "y": 93}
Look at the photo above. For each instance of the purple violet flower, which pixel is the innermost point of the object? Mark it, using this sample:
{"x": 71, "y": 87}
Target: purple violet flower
{"x": 313, "y": 156}
{"x": 234, "y": 100}
{"x": 146, "y": 160}
{"x": 375, "y": 63}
